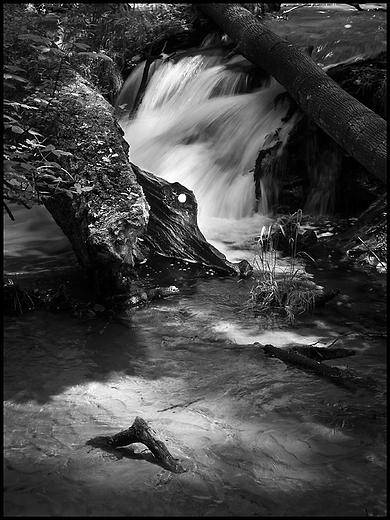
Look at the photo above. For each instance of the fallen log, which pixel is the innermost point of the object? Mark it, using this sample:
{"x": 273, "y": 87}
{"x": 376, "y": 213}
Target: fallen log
{"x": 322, "y": 353}
{"x": 356, "y": 128}
{"x": 101, "y": 207}
{"x": 336, "y": 375}
{"x": 110, "y": 224}
{"x": 140, "y": 432}
{"x": 309, "y": 154}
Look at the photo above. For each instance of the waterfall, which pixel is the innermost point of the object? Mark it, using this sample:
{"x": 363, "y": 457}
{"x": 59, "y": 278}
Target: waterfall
{"x": 198, "y": 125}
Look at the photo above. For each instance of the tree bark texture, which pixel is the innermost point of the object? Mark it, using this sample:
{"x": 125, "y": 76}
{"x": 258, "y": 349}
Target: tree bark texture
{"x": 361, "y": 132}
{"x": 340, "y": 377}
{"x": 140, "y": 432}
{"x": 109, "y": 222}
{"x": 101, "y": 71}
{"x": 105, "y": 223}
{"x": 172, "y": 229}
{"x": 295, "y": 171}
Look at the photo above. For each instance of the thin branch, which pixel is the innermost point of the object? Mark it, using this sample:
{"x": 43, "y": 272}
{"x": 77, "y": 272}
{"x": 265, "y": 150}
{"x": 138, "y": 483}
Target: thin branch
{"x": 371, "y": 251}
{"x": 293, "y": 8}
{"x": 8, "y": 211}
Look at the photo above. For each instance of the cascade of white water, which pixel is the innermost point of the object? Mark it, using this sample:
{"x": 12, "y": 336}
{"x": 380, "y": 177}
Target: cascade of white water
{"x": 196, "y": 127}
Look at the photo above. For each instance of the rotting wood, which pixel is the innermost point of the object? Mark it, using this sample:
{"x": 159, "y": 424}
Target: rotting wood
{"x": 106, "y": 216}
{"x": 341, "y": 377}
{"x": 140, "y": 432}
{"x": 322, "y": 353}
{"x": 172, "y": 229}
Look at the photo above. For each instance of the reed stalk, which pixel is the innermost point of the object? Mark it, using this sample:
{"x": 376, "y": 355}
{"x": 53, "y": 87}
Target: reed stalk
{"x": 289, "y": 288}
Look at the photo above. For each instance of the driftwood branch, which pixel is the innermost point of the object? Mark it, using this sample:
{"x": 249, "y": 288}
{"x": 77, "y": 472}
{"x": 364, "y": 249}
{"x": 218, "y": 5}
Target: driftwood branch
{"x": 338, "y": 376}
{"x": 322, "y": 353}
{"x": 142, "y": 433}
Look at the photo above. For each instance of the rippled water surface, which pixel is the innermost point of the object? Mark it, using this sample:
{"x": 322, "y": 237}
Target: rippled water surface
{"x": 256, "y": 436}
{"x": 337, "y": 32}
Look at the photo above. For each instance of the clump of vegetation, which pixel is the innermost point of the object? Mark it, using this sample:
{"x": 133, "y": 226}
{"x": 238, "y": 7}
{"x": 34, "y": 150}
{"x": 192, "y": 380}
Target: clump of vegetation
{"x": 16, "y": 300}
{"x": 120, "y": 31}
{"x": 31, "y": 172}
{"x": 97, "y": 40}
{"x": 282, "y": 288}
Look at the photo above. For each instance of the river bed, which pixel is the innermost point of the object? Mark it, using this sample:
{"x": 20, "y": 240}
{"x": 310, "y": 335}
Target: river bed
{"x": 256, "y": 437}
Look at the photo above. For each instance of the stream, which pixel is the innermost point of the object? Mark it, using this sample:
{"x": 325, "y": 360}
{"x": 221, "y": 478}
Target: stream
{"x": 256, "y": 437}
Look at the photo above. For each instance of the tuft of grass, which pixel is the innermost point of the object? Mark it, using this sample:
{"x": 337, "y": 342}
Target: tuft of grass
{"x": 17, "y": 301}
{"x": 288, "y": 288}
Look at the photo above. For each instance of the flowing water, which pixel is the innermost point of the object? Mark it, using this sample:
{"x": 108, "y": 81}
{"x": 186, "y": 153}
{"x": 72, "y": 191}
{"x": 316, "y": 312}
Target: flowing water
{"x": 256, "y": 437}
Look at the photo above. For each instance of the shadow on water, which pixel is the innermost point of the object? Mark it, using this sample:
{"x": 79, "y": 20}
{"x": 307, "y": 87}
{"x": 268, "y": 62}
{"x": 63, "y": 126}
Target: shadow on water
{"x": 50, "y": 353}
{"x": 256, "y": 437}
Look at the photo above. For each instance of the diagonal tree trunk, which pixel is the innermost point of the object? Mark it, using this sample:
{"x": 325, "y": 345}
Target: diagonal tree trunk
{"x": 361, "y": 132}
{"x": 110, "y": 222}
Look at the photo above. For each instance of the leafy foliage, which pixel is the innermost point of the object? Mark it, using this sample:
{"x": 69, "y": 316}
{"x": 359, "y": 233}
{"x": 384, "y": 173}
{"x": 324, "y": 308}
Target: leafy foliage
{"x": 121, "y": 31}
{"x": 31, "y": 171}
{"x": 50, "y": 34}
